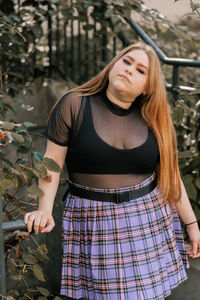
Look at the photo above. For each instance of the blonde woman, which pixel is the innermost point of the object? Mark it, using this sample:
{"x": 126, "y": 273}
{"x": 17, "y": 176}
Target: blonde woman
{"x": 122, "y": 236}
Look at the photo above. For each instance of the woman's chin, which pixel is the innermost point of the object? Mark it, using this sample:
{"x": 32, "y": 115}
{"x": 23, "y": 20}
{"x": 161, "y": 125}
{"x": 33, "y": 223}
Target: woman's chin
{"x": 120, "y": 87}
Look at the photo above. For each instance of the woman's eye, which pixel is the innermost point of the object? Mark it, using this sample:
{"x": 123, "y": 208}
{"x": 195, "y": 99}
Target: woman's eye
{"x": 141, "y": 71}
{"x": 126, "y": 61}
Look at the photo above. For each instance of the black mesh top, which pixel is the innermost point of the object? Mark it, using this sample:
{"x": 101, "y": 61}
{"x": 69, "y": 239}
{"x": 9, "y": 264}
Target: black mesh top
{"x": 108, "y": 146}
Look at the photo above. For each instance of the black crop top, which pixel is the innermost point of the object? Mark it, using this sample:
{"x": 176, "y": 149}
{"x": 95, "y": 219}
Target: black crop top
{"x": 108, "y": 146}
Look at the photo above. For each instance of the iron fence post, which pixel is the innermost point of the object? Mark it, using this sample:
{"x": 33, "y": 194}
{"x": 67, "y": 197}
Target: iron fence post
{"x": 2, "y": 254}
{"x": 175, "y": 82}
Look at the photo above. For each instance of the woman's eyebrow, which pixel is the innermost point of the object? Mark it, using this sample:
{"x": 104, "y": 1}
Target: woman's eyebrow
{"x": 133, "y": 59}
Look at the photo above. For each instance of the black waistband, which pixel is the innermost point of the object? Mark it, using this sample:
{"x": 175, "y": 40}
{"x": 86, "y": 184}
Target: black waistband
{"x": 118, "y": 197}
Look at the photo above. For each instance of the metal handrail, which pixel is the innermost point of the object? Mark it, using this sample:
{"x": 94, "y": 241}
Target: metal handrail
{"x": 13, "y": 225}
{"x": 167, "y": 60}
{"x": 5, "y": 227}
{"x": 173, "y": 61}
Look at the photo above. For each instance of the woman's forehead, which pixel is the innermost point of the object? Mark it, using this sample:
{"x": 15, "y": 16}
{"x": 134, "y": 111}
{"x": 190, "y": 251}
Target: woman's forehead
{"x": 138, "y": 55}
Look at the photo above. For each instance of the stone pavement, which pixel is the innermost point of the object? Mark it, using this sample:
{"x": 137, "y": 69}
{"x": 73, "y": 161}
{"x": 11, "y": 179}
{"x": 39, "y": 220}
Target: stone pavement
{"x": 190, "y": 289}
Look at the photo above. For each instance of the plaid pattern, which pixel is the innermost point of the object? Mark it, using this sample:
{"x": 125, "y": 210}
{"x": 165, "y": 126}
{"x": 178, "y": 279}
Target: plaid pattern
{"x": 128, "y": 251}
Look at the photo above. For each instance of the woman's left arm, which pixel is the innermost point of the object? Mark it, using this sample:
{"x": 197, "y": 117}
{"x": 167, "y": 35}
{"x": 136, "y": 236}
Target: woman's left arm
{"x": 187, "y": 215}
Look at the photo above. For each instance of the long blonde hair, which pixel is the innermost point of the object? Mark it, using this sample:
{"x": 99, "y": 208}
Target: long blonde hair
{"x": 154, "y": 109}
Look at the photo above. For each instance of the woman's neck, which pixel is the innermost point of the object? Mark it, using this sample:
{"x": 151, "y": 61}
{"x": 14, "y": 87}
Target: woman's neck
{"x": 119, "y": 99}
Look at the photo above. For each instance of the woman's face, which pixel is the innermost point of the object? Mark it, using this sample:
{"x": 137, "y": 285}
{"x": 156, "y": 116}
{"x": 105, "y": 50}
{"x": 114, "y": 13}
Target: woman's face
{"x": 129, "y": 75}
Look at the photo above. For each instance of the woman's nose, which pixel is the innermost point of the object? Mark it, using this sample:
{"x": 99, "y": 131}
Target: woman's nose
{"x": 129, "y": 71}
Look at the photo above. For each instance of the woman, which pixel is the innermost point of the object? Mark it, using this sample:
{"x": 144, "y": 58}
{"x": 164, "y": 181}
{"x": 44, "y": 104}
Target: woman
{"x": 122, "y": 237}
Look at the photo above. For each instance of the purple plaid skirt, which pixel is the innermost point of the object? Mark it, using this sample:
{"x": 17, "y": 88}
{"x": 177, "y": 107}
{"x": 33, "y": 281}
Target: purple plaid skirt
{"x": 128, "y": 251}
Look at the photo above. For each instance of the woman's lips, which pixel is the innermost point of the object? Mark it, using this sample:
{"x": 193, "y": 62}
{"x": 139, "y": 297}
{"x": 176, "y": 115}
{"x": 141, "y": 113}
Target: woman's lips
{"x": 125, "y": 77}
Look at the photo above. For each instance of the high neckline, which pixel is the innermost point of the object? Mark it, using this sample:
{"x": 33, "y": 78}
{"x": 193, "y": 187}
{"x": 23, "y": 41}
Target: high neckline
{"x": 115, "y": 108}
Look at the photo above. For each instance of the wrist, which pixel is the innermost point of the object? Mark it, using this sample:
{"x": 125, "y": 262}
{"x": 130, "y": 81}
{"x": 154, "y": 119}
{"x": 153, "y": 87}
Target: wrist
{"x": 191, "y": 223}
{"x": 48, "y": 212}
{"x": 192, "y": 226}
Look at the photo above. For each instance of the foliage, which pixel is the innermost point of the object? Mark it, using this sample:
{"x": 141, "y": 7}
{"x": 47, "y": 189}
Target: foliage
{"x": 18, "y": 186}
{"x": 27, "y": 61}
{"x": 186, "y": 116}
{"x": 195, "y": 7}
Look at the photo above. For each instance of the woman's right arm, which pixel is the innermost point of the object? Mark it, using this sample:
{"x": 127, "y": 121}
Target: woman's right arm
{"x": 41, "y": 220}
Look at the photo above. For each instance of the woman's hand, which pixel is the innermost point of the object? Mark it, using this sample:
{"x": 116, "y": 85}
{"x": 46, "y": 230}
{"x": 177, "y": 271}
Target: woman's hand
{"x": 39, "y": 220}
{"x": 194, "y": 235}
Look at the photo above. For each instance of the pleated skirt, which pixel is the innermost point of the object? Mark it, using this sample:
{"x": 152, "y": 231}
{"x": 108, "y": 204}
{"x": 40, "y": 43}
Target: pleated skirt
{"x": 128, "y": 251}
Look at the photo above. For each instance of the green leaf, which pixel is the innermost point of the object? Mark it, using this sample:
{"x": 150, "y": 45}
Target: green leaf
{"x": 15, "y": 171}
{"x": 15, "y": 109}
{"x": 17, "y": 277}
{"x": 42, "y": 249}
{"x": 16, "y": 18}
{"x": 8, "y": 182}
{"x": 19, "y": 179}
{"x": 108, "y": 1}
{"x": 37, "y": 31}
{"x": 29, "y": 259}
{"x": 40, "y": 169}
{"x": 197, "y": 182}
{"x": 191, "y": 190}
{"x": 108, "y": 13}
{"x": 187, "y": 179}
{"x": 18, "y": 137}
{"x": 27, "y": 173}
{"x": 7, "y": 19}
{"x": 22, "y": 234}
{"x": 17, "y": 98}
{"x": 10, "y": 266}
{"x": 10, "y": 298}
{"x": 184, "y": 154}
{"x": 7, "y": 125}
{"x": 25, "y": 147}
{"x": 38, "y": 273}
{"x": 43, "y": 291}
{"x": 55, "y": 1}
{"x": 21, "y": 129}
{"x": 34, "y": 191}
{"x": 115, "y": 19}
{"x": 65, "y": 12}
{"x": 51, "y": 164}
{"x": 38, "y": 155}
{"x": 30, "y": 124}
{"x": 194, "y": 6}
{"x": 178, "y": 114}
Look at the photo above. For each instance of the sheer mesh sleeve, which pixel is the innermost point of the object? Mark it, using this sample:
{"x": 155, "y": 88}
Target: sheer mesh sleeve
{"x": 62, "y": 122}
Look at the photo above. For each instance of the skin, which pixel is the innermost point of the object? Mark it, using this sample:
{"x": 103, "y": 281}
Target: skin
{"x": 127, "y": 80}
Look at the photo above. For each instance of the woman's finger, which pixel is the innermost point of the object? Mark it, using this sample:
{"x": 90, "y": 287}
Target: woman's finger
{"x": 50, "y": 225}
{"x": 43, "y": 222}
{"x": 37, "y": 223}
{"x": 194, "y": 251}
{"x": 26, "y": 216}
{"x": 194, "y": 248}
{"x": 30, "y": 222}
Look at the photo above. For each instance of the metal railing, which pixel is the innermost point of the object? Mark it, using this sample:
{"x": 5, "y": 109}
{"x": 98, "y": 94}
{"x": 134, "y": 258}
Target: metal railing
{"x": 172, "y": 61}
{"x": 175, "y": 62}
{"x": 75, "y": 45}
{"x": 5, "y": 227}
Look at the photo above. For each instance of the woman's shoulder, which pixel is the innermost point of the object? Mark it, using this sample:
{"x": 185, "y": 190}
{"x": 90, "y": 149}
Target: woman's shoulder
{"x": 72, "y": 96}
{"x": 71, "y": 100}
